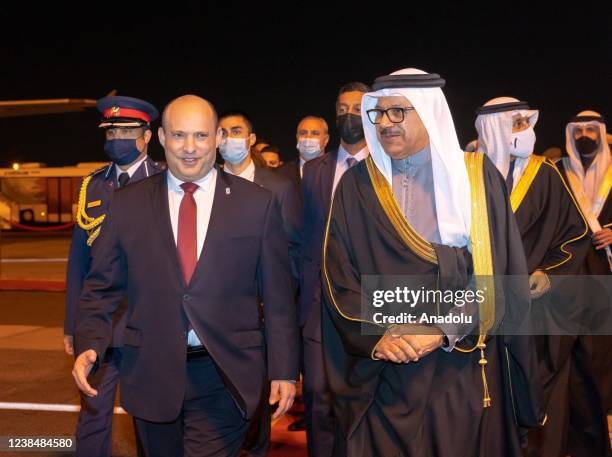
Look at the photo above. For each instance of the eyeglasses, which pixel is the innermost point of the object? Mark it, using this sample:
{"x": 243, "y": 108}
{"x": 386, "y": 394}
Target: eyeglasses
{"x": 395, "y": 115}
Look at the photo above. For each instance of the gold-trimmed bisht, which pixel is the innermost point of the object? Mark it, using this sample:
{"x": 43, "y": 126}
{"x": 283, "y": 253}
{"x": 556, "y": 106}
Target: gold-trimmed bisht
{"x": 524, "y": 184}
{"x": 481, "y": 247}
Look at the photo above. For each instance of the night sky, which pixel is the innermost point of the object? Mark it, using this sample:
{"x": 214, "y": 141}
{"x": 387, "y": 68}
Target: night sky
{"x": 281, "y": 63}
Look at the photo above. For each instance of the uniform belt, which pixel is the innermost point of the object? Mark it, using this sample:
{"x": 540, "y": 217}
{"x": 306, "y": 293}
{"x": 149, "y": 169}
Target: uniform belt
{"x": 196, "y": 351}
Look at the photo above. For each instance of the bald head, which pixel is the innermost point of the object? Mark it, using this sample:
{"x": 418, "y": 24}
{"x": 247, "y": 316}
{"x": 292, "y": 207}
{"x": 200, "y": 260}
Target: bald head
{"x": 190, "y": 135}
{"x": 315, "y": 120}
{"x": 187, "y": 103}
{"x": 312, "y": 128}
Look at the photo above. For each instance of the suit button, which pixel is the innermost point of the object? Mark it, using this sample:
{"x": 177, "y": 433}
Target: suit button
{"x": 183, "y": 335}
{"x": 185, "y": 297}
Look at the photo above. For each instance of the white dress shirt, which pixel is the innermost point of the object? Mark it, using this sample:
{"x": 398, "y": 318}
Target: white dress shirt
{"x": 203, "y": 196}
{"x": 248, "y": 173}
{"x": 342, "y": 166}
{"x": 130, "y": 171}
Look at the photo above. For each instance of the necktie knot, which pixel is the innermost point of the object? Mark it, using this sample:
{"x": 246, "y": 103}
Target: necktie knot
{"x": 351, "y": 161}
{"x": 123, "y": 179}
{"x": 189, "y": 187}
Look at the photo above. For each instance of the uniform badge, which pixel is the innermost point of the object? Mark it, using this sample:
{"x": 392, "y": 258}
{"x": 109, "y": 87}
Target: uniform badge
{"x": 115, "y": 111}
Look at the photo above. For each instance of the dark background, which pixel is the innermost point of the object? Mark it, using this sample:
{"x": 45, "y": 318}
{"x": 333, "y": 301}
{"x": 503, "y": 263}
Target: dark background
{"x": 281, "y": 62}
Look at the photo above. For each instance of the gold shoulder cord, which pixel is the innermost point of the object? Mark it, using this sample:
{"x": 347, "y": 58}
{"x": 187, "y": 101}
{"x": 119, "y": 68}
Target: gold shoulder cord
{"x": 482, "y": 259}
{"x": 90, "y": 224}
{"x": 524, "y": 183}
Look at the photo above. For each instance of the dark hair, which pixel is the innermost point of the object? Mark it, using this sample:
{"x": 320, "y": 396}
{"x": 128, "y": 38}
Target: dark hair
{"x": 273, "y": 149}
{"x": 262, "y": 140}
{"x": 241, "y": 114}
{"x": 354, "y": 86}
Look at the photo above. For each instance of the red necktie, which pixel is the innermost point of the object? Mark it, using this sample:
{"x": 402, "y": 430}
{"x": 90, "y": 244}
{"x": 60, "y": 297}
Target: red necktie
{"x": 187, "y": 238}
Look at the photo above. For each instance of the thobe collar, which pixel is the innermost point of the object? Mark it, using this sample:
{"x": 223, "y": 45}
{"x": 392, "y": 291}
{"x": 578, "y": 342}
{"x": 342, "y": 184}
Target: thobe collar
{"x": 419, "y": 159}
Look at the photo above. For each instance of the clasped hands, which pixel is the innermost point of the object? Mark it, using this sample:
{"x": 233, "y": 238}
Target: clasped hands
{"x": 403, "y": 344}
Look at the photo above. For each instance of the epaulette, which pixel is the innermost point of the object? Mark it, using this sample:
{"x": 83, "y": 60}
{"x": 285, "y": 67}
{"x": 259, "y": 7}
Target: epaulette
{"x": 90, "y": 224}
{"x": 98, "y": 170}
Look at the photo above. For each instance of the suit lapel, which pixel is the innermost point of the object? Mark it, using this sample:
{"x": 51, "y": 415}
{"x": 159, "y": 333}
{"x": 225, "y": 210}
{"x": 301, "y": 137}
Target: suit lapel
{"x": 327, "y": 178}
{"x": 257, "y": 178}
{"x": 215, "y": 229}
{"x": 161, "y": 209}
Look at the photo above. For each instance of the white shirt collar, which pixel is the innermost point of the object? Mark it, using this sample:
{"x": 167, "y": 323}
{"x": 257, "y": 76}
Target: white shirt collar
{"x": 174, "y": 184}
{"x": 248, "y": 173}
{"x": 130, "y": 171}
{"x": 343, "y": 154}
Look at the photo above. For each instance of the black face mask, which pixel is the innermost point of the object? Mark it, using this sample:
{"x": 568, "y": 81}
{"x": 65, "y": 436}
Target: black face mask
{"x": 586, "y": 146}
{"x": 350, "y": 128}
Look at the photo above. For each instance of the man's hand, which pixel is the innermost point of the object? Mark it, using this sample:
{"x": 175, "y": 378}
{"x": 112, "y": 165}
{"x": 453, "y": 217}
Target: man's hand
{"x": 282, "y": 392}
{"x": 539, "y": 284}
{"x": 401, "y": 344}
{"x": 82, "y": 367}
{"x": 602, "y": 239}
{"x": 68, "y": 344}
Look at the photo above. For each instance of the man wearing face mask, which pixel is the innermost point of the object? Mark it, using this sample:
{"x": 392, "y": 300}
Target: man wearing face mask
{"x": 321, "y": 176}
{"x": 127, "y": 124}
{"x": 506, "y": 135}
{"x": 312, "y": 136}
{"x": 236, "y": 152}
{"x": 553, "y": 232}
{"x": 588, "y": 171}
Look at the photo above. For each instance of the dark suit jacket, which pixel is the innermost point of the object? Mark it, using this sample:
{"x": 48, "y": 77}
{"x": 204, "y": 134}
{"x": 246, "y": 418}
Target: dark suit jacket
{"x": 317, "y": 186}
{"x": 99, "y": 194}
{"x": 291, "y": 170}
{"x": 244, "y": 254}
{"x": 288, "y": 199}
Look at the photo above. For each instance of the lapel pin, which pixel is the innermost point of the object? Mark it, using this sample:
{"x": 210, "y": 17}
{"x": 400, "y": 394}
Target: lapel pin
{"x": 227, "y": 191}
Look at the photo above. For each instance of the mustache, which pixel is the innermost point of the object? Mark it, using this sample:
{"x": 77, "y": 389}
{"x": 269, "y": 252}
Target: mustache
{"x": 391, "y": 131}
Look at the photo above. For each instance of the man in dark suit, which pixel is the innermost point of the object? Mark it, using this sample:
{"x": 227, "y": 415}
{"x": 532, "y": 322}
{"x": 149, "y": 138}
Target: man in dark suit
{"x": 320, "y": 178}
{"x": 202, "y": 248}
{"x": 126, "y": 121}
{"x": 236, "y": 149}
{"x": 312, "y": 136}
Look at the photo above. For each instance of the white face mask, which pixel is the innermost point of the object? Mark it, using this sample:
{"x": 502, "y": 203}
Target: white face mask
{"x": 234, "y": 150}
{"x": 310, "y": 148}
{"x": 522, "y": 143}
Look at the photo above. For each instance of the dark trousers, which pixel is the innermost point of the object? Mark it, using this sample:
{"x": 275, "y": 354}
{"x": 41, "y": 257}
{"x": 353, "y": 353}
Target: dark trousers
{"x": 317, "y": 400}
{"x": 210, "y": 423}
{"x": 590, "y": 397}
{"x": 94, "y": 426}
{"x": 257, "y": 441}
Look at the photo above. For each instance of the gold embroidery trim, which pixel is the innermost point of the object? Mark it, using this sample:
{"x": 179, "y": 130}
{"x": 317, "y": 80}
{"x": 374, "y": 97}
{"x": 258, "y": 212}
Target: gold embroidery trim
{"x": 586, "y": 225}
{"x": 419, "y": 245}
{"x": 94, "y": 204}
{"x": 482, "y": 259}
{"x": 523, "y": 185}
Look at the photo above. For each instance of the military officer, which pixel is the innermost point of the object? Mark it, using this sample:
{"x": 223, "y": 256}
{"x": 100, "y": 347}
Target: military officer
{"x": 127, "y": 125}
